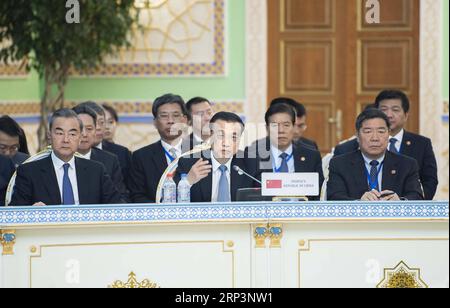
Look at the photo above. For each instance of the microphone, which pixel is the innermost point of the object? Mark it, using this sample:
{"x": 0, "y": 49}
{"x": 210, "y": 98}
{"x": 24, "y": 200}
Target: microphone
{"x": 242, "y": 172}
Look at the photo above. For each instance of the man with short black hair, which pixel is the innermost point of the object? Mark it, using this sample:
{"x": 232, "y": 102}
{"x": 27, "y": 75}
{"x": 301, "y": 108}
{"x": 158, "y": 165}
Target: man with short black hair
{"x": 395, "y": 104}
{"x": 213, "y": 177}
{"x": 279, "y": 153}
{"x": 62, "y": 178}
{"x": 373, "y": 173}
{"x": 13, "y": 141}
{"x": 200, "y": 113}
{"x": 150, "y": 162}
{"x": 89, "y": 152}
{"x": 300, "y": 122}
{"x": 122, "y": 153}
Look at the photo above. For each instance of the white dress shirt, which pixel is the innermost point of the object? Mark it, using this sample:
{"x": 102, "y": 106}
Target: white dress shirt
{"x": 169, "y": 148}
{"x": 58, "y": 164}
{"x": 87, "y": 156}
{"x": 367, "y": 162}
{"x": 100, "y": 146}
{"x": 399, "y": 137}
{"x": 277, "y": 160}
{"x": 216, "y": 174}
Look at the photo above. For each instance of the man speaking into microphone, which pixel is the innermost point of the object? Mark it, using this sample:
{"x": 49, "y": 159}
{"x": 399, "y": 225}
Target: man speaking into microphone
{"x": 215, "y": 177}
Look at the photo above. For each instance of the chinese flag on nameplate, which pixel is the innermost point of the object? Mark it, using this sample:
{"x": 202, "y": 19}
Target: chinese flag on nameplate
{"x": 274, "y": 184}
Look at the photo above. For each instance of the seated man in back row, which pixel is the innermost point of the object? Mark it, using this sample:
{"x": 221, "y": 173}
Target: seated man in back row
{"x": 373, "y": 173}
{"x": 213, "y": 176}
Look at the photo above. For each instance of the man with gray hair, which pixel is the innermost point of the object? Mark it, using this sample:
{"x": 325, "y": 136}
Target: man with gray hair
{"x": 62, "y": 178}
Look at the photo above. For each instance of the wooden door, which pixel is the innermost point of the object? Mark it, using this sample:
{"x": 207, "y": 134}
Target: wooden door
{"x": 324, "y": 54}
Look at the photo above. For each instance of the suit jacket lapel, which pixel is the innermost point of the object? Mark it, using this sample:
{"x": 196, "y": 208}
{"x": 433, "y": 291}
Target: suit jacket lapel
{"x": 206, "y": 184}
{"x": 298, "y": 162}
{"x": 51, "y": 182}
{"x": 82, "y": 181}
{"x": 389, "y": 173}
{"x": 360, "y": 171}
{"x": 159, "y": 159}
{"x": 407, "y": 145}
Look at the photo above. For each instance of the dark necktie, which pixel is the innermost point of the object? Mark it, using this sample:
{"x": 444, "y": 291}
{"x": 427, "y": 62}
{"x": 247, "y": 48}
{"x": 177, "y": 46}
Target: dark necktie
{"x": 374, "y": 174}
{"x": 392, "y": 147}
{"x": 68, "y": 198}
{"x": 224, "y": 187}
{"x": 284, "y": 164}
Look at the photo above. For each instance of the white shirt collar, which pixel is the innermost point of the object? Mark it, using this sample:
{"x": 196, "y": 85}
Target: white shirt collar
{"x": 87, "y": 156}
{"x": 276, "y": 152}
{"x": 58, "y": 163}
{"x": 100, "y": 146}
{"x": 168, "y": 147}
{"x": 367, "y": 160}
{"x": 399, "y": 136}
{"x": 216, "y": 165}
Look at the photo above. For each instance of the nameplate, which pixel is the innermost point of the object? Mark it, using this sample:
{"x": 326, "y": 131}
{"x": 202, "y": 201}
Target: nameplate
{"x": 290, "y": 184}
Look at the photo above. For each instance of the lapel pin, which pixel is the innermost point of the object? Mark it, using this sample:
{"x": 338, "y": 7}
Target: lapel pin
{"x": 303, "y": 159}
{"x": 394, "y": 172}
{"x": 408, "y": 143}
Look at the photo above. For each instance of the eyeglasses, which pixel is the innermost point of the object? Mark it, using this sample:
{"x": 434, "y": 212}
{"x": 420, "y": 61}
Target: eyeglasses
{"x": 166, "y": 116}
{"x": 9, "y": 148}
{"x": 71, "y": 135}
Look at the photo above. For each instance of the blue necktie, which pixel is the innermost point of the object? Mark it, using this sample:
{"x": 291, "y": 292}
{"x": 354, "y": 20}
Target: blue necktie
{"x": 284, "y": 164}
{"x": 374, "y": 174}
{"x": 68, "y": 198}
{"x": 224, "y": 187}
{"x": 392, "y": 147}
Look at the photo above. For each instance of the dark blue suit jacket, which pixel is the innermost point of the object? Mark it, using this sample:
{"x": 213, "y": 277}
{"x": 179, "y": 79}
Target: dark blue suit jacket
{"x": 415, "y": 146}
{"x": 348, "y": 177}
{"x": 6, "y": 171}
{"x": 37, "y": 182}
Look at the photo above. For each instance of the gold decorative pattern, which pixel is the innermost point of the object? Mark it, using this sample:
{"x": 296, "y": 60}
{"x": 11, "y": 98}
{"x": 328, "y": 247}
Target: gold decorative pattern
{"x": 8, "y": 240}
{"x": 133, "y": 283}
{"x": 260, "y": 233}
{"x": 306, "y": 247}
{"x": 275, "y": 235}
{"x": 402, "y": 277}
{"x": 175, "y": 18}
{"x": 272, "y": 231}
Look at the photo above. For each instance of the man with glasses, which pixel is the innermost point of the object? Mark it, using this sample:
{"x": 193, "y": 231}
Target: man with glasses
{"x": 13, "y": 141}
{"x": 150, "y": 162}
{"x": 373, "y": 173}
{"x": 62, "y": 178}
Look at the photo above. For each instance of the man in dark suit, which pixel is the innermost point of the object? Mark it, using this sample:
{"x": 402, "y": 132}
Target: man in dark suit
{"x": 373, "y": 173}
{"x": 200, "y": 113}
{"x": 280, "y": 153}
{"x": 213, "y": 177}
{"x": 62, "y": 178}
{"x": 396, "y": 105}
{"x": 13, "y": 141}
{"x": 89, "y": 119}
{"x": 122, "y": 153}
{"x": 6, "y": 172}
{"x": 150, "y": 162}
{"x": 300, "y": 123}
